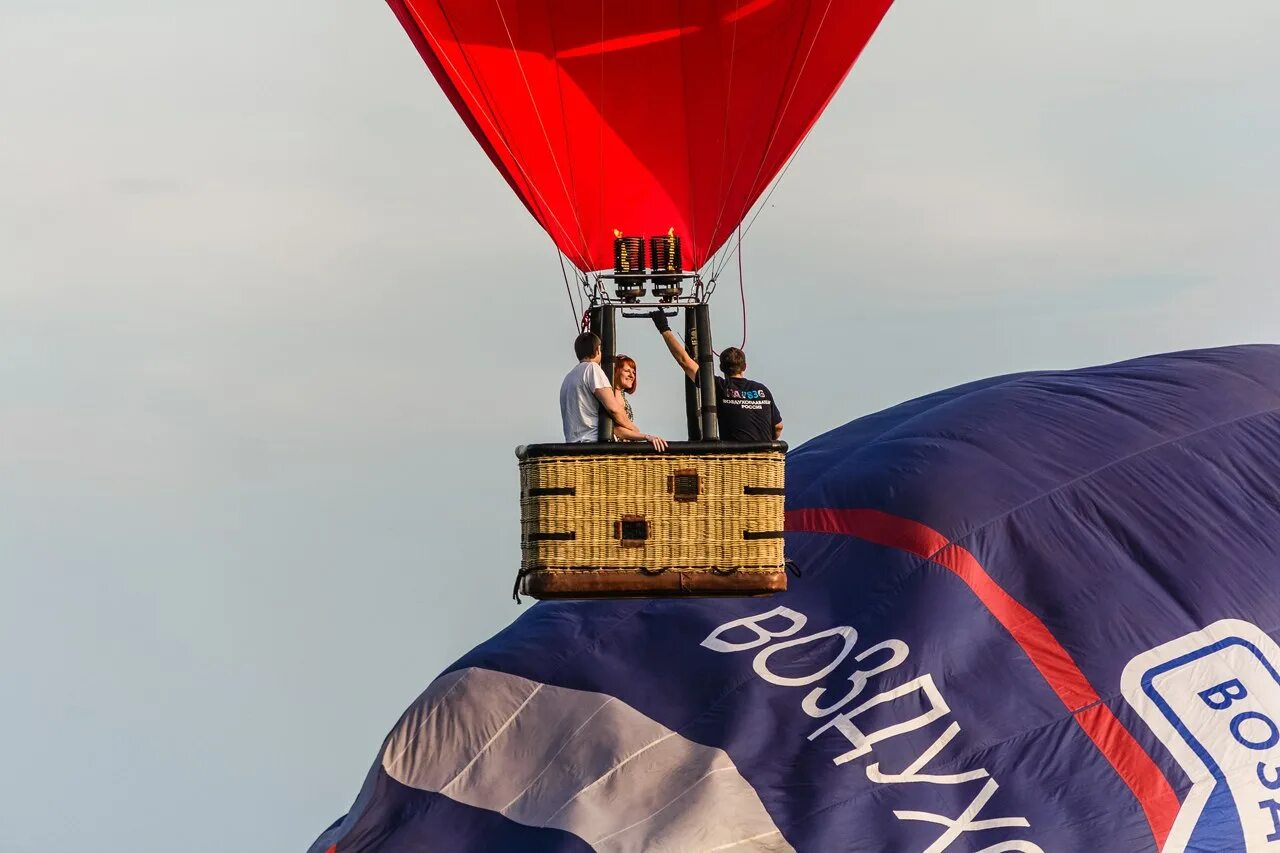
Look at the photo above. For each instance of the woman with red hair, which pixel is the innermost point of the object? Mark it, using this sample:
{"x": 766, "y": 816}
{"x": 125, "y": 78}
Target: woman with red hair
{"x": 624, "y": 383}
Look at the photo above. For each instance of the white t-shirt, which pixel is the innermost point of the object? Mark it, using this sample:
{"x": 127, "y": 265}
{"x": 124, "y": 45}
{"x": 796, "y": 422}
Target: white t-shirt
{"x": 579, "y": 408}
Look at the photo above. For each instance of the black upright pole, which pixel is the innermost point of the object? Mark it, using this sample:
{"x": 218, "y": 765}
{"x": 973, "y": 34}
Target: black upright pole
{"x": 608, "y": 344}
{"x": 706, "y": 375}
{"x": 691, "y": 414}
{"x": 595, "y": 321}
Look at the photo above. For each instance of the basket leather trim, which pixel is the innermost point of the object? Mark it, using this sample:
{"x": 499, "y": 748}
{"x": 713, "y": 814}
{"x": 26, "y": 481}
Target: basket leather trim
{"x": 552, "y": 537}
{"x": 547, "y": 491}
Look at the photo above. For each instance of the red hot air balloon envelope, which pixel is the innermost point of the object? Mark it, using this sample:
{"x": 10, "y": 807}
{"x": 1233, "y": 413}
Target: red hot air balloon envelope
{"x": 640, "y": 116}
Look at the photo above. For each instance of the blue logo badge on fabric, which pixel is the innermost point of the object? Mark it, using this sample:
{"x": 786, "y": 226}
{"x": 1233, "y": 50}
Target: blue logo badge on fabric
{"x": 1213, "y": 699}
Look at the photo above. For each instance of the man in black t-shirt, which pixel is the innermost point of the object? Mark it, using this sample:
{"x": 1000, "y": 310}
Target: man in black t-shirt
{"x": 746, "y": 409}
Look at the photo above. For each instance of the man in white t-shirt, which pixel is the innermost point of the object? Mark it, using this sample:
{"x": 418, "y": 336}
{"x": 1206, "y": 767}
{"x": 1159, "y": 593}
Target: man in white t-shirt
{"x": 584, "y": 390}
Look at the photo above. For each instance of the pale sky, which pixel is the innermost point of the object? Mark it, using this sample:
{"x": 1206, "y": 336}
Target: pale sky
{"x": 264, "y": 359}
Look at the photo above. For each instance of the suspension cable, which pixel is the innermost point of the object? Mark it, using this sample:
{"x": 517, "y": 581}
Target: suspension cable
{"x": 555, "y": 161}
{"x": 490, "y": 114}
{"x": 724, "y": 130}
{"x": 573, "y": 309}
{"x": 763, "y": 203}
{"x": 779, "y": 110}
{"x": 784, "y": 107}
{"x": 742, "y": 290}
{"x": 777, "y": 125}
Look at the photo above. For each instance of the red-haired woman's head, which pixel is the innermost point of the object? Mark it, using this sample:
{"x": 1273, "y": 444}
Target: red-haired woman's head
{"x": 624, "y": 374}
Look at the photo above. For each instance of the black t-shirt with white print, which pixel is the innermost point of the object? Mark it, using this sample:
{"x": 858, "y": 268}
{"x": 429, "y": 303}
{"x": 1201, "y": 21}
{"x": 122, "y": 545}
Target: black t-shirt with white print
{"x": 746, "y": 410}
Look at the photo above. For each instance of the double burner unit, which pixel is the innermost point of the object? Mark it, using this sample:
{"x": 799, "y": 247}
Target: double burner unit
{"x": 665, "y": 271}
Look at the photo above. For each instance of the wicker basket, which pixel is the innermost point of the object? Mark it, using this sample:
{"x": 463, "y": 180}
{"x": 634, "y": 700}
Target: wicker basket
{"x": 620, "y": 520}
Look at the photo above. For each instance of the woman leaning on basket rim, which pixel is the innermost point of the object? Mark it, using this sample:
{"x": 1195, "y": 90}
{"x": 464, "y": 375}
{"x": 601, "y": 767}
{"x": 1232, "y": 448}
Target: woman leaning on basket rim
{"x": 624, "y": 384}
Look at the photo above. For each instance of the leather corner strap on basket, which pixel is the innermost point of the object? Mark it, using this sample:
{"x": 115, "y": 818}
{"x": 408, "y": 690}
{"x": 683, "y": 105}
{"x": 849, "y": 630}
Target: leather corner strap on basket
{"x": 619, "y": 520}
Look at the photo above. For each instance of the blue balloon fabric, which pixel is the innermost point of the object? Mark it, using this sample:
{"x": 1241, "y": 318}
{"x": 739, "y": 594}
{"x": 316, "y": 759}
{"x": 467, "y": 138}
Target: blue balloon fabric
{"x": 1037, "y": 613}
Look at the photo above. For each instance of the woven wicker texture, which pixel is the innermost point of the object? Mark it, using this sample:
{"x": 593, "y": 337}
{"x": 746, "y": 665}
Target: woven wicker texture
{"x": 690, "y": 535}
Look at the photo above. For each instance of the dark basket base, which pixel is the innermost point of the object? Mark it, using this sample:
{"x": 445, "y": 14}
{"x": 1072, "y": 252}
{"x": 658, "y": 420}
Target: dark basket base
{"x": 553, "y": 585}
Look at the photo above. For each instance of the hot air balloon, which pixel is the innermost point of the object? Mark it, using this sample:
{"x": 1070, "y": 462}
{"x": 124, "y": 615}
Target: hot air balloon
{"x": 1040, "y": 613}
{"x": 639, "y": 135}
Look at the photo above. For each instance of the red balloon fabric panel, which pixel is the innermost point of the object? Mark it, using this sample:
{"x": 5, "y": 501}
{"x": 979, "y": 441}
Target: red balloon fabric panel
{"x": 640, "y": 116}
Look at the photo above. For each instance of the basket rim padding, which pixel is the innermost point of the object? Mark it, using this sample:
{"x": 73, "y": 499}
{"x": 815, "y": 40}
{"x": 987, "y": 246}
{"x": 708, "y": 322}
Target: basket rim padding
{"x": 643, "y": 448}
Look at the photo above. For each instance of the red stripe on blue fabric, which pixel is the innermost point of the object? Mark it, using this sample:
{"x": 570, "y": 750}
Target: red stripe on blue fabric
{"x": 1131, "y": 762}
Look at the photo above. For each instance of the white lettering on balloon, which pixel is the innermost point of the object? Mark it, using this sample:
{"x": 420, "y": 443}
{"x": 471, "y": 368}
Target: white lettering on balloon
{"x": 775, "y": 631}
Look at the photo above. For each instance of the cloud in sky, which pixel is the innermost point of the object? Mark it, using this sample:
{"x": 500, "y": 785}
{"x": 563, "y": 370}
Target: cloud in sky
{"x": 263, "y": 356}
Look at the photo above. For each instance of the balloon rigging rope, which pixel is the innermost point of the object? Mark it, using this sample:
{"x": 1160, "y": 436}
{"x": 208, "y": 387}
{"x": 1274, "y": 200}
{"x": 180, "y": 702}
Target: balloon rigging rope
{"x": 600, "y": 175}
{"x": 742, "y": 290}
{"x": 777, "y": 124}
{"x": 742, "y": 294}
{"x": 724, "y": 131}
{"x": 737, "y": 166}
{"x": 764, "y": 202}
{"x": 564, "y": 124}
{"x": 688, "y": 147}
{"x": 573, "y": 309}
{"x": 773, "y": 135}
{"x": 546, "y": 137}
{"x": 492, "y": 115}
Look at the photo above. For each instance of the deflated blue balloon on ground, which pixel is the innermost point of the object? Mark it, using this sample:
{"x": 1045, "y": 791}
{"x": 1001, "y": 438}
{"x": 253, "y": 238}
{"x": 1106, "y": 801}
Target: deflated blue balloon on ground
{"x": 1037, "y": 613}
